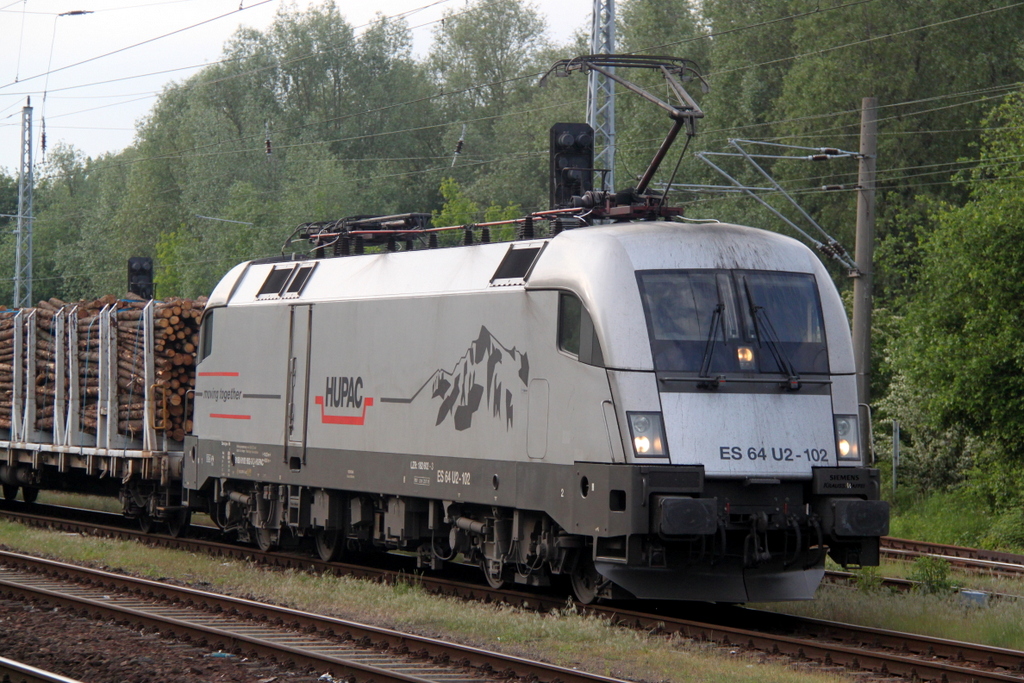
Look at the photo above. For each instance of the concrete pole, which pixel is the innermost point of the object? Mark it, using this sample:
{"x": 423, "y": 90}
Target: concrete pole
{"x": 864, "y": 255}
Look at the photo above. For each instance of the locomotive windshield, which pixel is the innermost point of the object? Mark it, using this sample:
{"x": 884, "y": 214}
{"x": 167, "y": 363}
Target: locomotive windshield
{"x": 711, "y": 322}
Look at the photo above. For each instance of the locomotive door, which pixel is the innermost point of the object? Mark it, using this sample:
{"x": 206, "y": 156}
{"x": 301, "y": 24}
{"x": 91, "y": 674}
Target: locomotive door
{"x": 298, "y": 385}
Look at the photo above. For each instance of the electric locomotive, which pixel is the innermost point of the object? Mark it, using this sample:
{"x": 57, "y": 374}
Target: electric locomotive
{"x": 656, "y": 410}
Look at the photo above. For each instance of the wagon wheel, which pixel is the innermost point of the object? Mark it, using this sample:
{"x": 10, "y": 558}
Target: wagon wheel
{"x": 178, "y": 523}
{"x": 586, "y": 581}
{"x": 29, "y": 494}
{"x": 330, "y": 544}
{"x": 10, "y": 492}
{"x": 145, "y": 523}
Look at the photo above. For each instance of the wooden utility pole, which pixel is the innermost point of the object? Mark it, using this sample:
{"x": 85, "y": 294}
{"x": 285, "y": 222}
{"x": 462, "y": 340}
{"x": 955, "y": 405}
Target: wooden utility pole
{"x": 864, "y": 255}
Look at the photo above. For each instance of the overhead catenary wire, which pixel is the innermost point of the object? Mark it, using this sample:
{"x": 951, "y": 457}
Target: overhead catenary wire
{"x": 135, "y": 45}
{"x": 370, "y": 23}
{"x": 872, "y": 39}
{"x": 429, "y": 170}
{"x": 231, "y": 259}
{"x": 398, "y": 15}
{"x": 21, "y": 40}
{"x": 373, "y": 135}
{"x": 531, "y": 75}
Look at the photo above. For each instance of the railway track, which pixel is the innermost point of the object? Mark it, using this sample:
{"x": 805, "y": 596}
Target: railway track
{"x": 968, "y": 559}
{"x": 245, "y": 627}
{"x": 854, "y": 648}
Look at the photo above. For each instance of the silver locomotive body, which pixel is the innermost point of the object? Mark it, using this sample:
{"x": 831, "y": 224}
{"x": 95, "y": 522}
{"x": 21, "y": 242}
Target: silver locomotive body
{"x": 657, "y": 410}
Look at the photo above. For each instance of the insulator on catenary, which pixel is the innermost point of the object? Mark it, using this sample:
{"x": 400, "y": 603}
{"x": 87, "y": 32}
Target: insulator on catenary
{"x": 458, "y": 145}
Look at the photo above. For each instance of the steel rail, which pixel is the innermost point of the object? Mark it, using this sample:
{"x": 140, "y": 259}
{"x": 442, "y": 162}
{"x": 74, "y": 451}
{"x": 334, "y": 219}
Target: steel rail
{"x": 843, "y": 578}
{"x": 16, "y": 672}
{"x": 972, "y": 559}
{"x": 892, "y": 652}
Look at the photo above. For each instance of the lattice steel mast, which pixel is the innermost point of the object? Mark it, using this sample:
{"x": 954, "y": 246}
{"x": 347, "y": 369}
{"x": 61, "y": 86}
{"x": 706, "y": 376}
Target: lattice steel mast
{"x": 601, "y": 91}
{"x": 23, "y": 253}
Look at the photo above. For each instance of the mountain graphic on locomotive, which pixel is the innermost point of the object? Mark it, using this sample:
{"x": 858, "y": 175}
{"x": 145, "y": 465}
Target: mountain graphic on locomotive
{"x": 652, "y": 408}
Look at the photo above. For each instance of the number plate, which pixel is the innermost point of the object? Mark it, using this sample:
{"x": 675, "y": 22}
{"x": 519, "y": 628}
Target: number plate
{"x": 774, "y": 454}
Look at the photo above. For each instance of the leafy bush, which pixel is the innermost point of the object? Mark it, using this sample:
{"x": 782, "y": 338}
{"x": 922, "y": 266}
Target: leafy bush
{"x": 932, "y": 573}
{"x": 1006, "y": 532}
{"x": 941, "y": 518}
{"x": 867, "y": 579}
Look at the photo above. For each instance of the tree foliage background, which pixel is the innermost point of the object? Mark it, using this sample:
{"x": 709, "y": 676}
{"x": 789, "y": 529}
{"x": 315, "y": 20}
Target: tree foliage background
{"x": 312, "y": 120}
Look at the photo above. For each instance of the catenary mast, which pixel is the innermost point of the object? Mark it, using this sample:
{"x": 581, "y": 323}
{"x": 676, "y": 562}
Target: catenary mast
{"x": 23, "y": 253}
{"x": 601, "y": 91}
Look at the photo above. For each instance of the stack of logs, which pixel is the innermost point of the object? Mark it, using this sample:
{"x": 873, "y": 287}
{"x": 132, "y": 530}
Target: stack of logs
{"x": 175, "y": 338}
{"x": 6, "y": 366}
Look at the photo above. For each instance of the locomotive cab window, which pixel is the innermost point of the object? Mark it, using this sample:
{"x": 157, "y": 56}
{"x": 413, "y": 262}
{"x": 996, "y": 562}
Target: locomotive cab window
{"x": 205, "y": 336}
{"x": 576, "y": 334}
{"x": 740, "y": 321}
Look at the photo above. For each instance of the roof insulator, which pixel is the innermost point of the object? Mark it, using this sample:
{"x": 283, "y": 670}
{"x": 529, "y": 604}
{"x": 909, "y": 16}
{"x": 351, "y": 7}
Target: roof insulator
{"x": 526, "y": 231}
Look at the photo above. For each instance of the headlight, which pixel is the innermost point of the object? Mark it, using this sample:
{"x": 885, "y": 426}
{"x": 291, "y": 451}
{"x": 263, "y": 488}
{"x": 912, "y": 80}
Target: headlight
{"x": 647, "y": 434}
{"x": 847, "y": 437}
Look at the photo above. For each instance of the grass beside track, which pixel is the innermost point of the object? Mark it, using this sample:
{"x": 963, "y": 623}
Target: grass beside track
{"x": 561, "y": 637}
{"x": 999, "y": 624}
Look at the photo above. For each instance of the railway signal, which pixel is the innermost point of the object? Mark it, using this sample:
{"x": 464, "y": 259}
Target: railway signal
{"x": 140, "y": 276}
{"x": 572, "y": 162}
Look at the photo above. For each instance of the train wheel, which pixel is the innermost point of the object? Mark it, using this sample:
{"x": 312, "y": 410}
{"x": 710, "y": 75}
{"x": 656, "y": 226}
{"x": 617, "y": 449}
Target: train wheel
{"x": 585, "y": 580}
{"x": 145, "y": 523}
{"x": 264, "y": 539}
{"x": 329, "y": 544}
{"x": 494, "y": 580}
{"x": 178, "y": 523}
{"x": 29, "y": 494}
{"x": 10, "y": 492}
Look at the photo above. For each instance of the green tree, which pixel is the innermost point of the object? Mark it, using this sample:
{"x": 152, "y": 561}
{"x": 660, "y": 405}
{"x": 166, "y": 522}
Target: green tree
{"x": 9, "y": 206}
{"x": 486, "y": 73}
{"x": 458, "y": 209}
{"x": 960, "y": 349}
{"x": 659, "y": 27}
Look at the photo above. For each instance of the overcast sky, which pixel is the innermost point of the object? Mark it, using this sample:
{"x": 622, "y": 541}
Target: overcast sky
{"x": 92, "y": 99}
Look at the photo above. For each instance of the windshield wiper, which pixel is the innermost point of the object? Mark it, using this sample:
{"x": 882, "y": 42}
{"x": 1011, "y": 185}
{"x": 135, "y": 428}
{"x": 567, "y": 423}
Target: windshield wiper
{"x": 772, "y": 340}
{"x": 709, "y": 347}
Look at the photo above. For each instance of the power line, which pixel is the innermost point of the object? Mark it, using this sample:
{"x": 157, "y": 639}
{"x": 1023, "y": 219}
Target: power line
{"x": 399, "y": 15}
{"x": 188, "y": 152}
{"x": 135, "y": 45}
{"x": 769, "y": 22}
{"x": 534, "y": 75}
{"x": 872, "y": 39}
